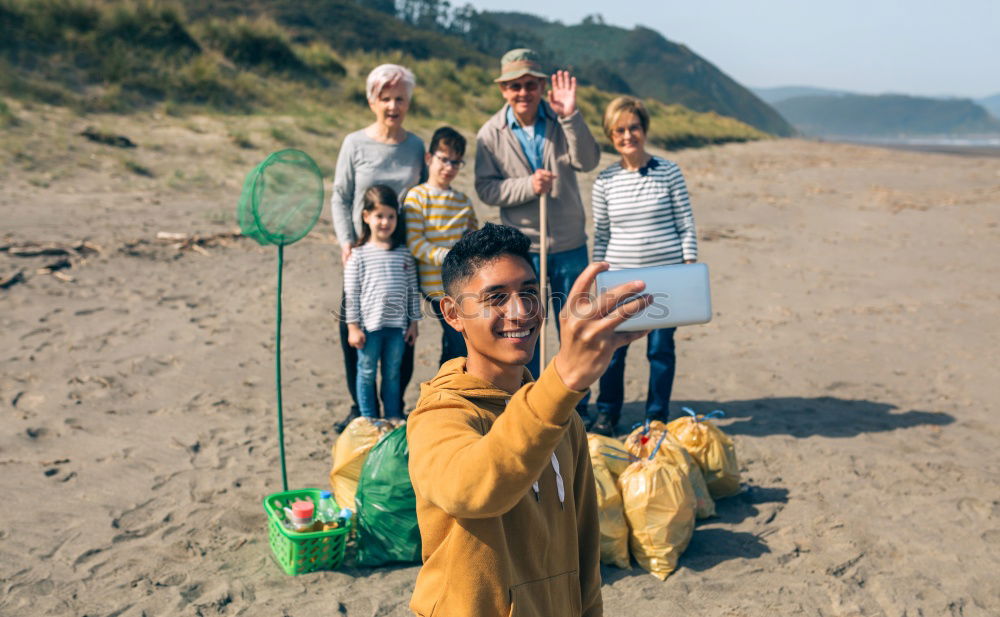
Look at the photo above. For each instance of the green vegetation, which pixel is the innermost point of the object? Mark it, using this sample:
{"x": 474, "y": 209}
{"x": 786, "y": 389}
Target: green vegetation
{"x": 890, "y": 115}
{"x": 7, "y": 117}
{"x": 138, "y": 169}
{"x": 306, "y": 60}
{"x": 671, "y": 126}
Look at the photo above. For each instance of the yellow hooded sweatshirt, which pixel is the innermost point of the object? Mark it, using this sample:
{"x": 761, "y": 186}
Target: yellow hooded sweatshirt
{"x": 507, "y": 528}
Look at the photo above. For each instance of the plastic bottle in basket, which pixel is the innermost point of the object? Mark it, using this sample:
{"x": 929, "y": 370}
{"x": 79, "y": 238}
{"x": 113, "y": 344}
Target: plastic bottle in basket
{"x": 344, "y": 515}
{"x": 326, "y": 510}
{"x": 300, "y": 516}
{"x": 327, "y": 515}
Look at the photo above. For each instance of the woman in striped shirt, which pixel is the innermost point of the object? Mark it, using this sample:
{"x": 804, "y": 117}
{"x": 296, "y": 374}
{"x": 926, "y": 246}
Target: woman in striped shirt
{"x": 642, "y": 217}
{"x": 436, "y": 218}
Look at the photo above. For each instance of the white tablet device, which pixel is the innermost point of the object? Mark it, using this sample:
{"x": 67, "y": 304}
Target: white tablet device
{"x": 680, "y": 295}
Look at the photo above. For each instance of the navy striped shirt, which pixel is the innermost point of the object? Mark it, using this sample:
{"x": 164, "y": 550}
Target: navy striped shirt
{"x": 380, "y": 287}
{"x": 643, "y": 218}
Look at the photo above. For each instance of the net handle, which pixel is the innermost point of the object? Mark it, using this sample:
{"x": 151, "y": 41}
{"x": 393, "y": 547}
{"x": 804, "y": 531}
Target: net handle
{"x": 277, "y": 369}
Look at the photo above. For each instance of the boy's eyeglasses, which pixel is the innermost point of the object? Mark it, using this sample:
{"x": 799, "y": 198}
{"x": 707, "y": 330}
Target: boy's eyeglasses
{"x": 456, "y": 163}
{"x": 517, "y": 86}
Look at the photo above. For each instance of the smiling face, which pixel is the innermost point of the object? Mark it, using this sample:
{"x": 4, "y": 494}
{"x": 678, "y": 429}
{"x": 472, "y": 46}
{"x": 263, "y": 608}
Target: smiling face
{"x": 382, "y": 221}
{"x": 627, "y": 135}
{"x": 499, "y": 313}
{"x": 523, "y": 94}
{"x": 390, "y": 105}
{"x": 443, "y": 166}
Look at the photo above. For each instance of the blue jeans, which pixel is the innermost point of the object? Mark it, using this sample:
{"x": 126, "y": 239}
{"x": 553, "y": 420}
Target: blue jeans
{"x": 452, "y": 341}
{"x": 662, "y": 362}
{"x": 563, "y": 270}
{"x": 386, "y": 345}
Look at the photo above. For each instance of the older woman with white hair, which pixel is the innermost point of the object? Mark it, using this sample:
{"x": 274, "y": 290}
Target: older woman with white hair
{"x": 382, "y": 153}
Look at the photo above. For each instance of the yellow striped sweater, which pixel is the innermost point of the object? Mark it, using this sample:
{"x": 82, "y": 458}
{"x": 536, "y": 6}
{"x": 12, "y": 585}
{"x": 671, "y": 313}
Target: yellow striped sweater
{"x": 435, "y": 221}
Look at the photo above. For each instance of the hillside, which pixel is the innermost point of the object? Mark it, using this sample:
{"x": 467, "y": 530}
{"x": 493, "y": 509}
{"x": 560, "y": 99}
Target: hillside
{"x": 890, "y": 115}
{"x": 991, "y": 104}
{"x": 307, "y": 59}
{"x": 642, "y": 62}
{"x": 780, "y": 93}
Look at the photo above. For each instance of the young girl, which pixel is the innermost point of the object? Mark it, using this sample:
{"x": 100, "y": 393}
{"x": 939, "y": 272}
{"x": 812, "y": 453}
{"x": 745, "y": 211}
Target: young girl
{"x": 382, "y": 301}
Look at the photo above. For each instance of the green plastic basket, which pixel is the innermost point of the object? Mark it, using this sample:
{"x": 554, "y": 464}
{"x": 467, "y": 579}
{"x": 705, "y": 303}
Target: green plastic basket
{"x": 298, "y": 553}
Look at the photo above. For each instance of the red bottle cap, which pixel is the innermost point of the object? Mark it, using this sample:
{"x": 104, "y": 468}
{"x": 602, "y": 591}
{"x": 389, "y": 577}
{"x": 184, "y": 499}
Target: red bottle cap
{"x": 302, "y": 509}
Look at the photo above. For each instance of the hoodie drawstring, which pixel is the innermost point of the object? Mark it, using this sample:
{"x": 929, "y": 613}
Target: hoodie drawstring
{"x": 560, "y": 485}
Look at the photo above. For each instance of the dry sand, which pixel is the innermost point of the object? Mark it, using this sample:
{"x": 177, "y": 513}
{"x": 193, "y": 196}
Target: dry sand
{"x": 854, "y": 349}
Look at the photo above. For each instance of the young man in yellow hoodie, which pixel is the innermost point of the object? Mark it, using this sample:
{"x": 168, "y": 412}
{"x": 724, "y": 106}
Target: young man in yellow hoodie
{"x": 506, "y": 500}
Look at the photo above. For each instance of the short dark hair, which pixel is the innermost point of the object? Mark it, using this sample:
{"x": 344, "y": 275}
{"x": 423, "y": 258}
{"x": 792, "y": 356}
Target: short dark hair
{"x": 382, "y": 195}
{"x": 479, "y": 248}
{"x": 450, "y": 138}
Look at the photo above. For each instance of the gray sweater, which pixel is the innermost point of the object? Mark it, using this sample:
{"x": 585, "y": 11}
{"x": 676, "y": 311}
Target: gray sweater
{"x": 503, "y": 177}
{"x": 363, "y": 162}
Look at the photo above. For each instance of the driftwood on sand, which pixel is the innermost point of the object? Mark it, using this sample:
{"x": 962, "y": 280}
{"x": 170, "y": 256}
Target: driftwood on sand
{"x": 69, "y": 256}
{"x": 198, "y": 242}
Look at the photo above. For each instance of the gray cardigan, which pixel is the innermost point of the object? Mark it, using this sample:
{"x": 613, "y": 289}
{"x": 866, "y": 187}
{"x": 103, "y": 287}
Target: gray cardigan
{"x": 503, "y": 177}
{"x": 363, "y": 162}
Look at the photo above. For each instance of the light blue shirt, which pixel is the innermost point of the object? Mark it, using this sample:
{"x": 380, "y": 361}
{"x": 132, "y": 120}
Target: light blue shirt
{"x": 531, "y": 145}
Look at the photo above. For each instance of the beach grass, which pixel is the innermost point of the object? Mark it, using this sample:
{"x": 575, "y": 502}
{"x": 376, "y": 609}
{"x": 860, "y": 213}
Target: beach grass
{"x": 102, "y": 57}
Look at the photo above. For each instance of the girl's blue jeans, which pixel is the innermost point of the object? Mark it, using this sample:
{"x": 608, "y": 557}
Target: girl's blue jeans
{"x": 386, "y": 346}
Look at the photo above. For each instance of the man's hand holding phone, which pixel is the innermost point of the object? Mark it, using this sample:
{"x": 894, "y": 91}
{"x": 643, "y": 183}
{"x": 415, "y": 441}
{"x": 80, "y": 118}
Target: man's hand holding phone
{"x": 587, "y": 327}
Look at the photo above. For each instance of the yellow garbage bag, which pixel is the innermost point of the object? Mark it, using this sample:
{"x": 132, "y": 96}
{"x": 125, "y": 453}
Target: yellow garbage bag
{"x": 643, "y": 439}
{"x": 641, "y": 442}
{"x": 611, "y": 514}
{"x": 659, "y": 507}
{"x": 712, "y": 449}
{"x": 349, "y": 453}
{"x": 612, "y": 451}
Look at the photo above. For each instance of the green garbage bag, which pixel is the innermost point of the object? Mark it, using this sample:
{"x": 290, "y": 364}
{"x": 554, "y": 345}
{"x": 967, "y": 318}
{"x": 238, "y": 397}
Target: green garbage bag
{"x": 387, "y": 510}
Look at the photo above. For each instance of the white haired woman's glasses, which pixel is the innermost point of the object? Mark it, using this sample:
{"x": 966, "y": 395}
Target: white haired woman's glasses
{"x": 389, "y": 74}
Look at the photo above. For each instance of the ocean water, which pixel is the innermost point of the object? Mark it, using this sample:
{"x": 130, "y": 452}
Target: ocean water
{"x": 992, "y": 141}
{"x": 988, "y": 145}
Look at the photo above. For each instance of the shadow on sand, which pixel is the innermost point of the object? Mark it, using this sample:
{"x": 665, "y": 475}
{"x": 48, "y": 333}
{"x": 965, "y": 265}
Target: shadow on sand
{"x": 800, "y": 417}
{"x": 713, "y": 545}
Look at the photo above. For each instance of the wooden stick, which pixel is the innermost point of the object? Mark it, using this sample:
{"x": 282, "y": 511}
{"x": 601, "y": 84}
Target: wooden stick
{"x": 543, "y": 230}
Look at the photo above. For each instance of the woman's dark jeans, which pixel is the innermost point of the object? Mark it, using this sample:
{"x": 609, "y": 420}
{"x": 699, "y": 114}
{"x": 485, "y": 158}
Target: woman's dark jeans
{"x": 662, "y": 363}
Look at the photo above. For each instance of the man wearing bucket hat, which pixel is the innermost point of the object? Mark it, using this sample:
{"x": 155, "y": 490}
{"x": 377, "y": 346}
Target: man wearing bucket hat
{"x": 532, "y": 147}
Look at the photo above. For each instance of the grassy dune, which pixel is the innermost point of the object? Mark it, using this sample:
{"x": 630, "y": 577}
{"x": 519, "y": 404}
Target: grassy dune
{"x": 122, "y": 57}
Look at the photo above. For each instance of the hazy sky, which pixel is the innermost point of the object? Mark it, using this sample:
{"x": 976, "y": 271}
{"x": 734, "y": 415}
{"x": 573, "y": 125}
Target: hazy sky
{"x": 874, "y": 46}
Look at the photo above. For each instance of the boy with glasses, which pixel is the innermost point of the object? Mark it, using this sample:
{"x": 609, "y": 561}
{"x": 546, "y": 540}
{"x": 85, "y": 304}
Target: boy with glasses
{"x": 532, "y": 147}
{"x": 436, "y": 218}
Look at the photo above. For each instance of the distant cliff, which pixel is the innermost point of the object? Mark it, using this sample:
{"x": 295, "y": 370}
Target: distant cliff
{"x": 886, "y": 116}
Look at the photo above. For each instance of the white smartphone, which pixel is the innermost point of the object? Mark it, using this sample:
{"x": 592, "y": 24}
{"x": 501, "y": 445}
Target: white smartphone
{"x": 681, "y": 295}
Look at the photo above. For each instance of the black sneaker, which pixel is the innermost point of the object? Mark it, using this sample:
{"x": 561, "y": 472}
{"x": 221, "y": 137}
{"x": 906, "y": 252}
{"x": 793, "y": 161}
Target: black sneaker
{"x": 603, "y": 426}
{"x": 340, "y": 426}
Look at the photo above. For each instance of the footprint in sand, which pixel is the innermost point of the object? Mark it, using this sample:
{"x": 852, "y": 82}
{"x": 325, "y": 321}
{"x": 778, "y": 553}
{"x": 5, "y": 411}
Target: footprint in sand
{"x": 975, "y": 508}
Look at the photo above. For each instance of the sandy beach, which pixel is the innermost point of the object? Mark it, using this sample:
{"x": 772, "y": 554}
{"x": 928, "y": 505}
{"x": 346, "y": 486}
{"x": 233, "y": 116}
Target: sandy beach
{"x": 854, "y": 349}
